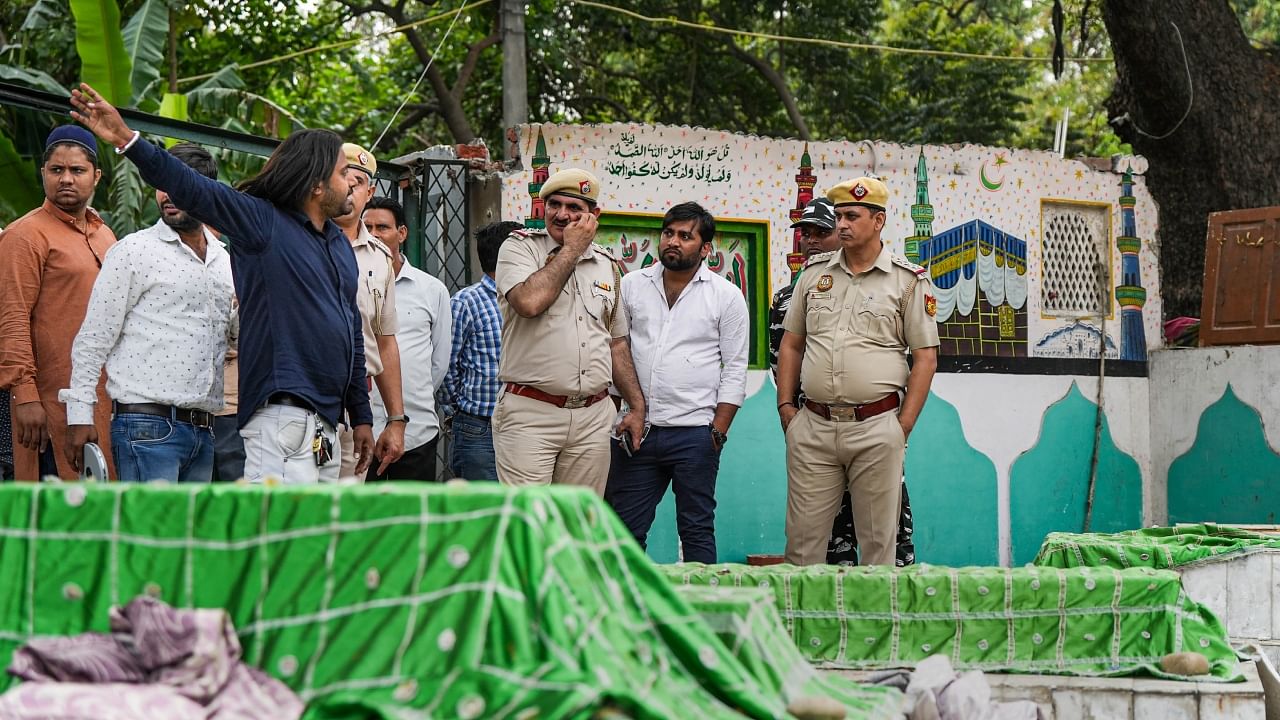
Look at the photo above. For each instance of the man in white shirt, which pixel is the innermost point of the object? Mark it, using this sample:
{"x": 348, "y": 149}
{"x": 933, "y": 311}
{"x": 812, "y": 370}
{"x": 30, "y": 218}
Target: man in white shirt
{"x": 159, "y": 317}
{"x": 689, "y": 333}
{"x": 424, "y": 336}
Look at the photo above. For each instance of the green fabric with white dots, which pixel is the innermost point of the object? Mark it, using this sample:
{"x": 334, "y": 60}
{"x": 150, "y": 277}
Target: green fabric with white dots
{"x": 394, "y": 600}
{"x": 1083, "y": 621}
{"x": 1158, "y": 547}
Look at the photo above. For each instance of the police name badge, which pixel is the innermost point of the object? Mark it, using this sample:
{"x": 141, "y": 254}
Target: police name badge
{"x": 824, "y": 283}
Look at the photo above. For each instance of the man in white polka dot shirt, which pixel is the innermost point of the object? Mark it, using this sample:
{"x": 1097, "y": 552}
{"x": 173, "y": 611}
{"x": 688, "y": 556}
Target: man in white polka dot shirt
{"x": 160, "y": 318}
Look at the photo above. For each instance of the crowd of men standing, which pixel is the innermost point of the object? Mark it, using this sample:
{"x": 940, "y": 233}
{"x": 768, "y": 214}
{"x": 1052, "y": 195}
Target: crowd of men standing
{"x": 276, "y": 332}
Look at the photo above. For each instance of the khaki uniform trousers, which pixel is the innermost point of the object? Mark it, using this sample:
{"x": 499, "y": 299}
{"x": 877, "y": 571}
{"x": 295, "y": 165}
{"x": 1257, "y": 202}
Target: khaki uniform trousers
{"x": 537, "y": 443}
{"x": 826, "y": 456}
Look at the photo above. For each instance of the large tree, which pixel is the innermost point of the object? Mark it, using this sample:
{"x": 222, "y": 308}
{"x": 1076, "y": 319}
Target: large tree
{"x": 1199, "y": 100}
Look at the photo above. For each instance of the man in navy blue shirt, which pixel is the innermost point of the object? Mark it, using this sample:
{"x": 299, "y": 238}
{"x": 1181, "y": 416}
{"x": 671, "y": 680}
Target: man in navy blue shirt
{"x": 301, "y": 343}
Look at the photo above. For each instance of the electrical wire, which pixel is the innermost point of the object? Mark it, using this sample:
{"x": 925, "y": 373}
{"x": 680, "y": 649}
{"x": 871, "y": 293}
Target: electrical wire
{"x": 1191, "y": 99}
{"x": 457, "y": 14}
{"x": 830, "y": 43}
{"x": 348, "y": 43}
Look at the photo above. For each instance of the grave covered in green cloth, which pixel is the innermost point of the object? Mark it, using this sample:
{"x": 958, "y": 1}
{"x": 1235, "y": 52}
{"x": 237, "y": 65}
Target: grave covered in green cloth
{"x": 1158, "y": 547}
{"x": 394, "y": 600}
{"x": 1083, "y": 621}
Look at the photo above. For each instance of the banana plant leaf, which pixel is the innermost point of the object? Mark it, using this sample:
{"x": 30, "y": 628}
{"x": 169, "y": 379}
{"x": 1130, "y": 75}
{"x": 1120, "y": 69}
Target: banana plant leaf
{"x": 104, "y": 64}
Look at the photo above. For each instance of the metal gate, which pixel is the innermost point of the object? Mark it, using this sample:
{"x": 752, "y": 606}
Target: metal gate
{"x": 436, "y": 204}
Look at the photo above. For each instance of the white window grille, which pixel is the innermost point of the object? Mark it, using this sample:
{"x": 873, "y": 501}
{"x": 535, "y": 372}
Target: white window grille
{"x": 1076, "y": 267}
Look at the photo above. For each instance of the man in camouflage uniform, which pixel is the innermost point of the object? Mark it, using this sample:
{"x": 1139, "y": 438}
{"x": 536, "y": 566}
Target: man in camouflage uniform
{"x": 854, "y": 315}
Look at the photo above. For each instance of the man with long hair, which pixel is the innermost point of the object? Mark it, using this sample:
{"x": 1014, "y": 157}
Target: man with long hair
{"x": 301, "y": 344}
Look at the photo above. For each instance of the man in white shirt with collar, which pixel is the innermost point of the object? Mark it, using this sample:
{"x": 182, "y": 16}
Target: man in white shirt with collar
{"x": 159, "y": 317}
{"x": 689, "y": 334}
{"x": 424, "y": 340}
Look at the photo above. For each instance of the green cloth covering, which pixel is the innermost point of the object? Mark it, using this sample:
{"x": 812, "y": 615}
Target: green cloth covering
{"x": 395, "y": 600}
{"x": 746, "y": 620}
{"x": 1085, "y": 621}
{"x": 1159, "y": 547}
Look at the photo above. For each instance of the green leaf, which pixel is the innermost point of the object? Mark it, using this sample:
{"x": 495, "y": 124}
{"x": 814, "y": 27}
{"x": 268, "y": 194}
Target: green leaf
{"x": 32, "y": 78}
{"x": 103, "y": 61}
{"x": 21, "y": 186}
{"x": 127, "y": 196}
{"x": 226, "y": 77}
{"x": 42, "y": 14}
{"x": 144, "y": 42}
{"x": 264, "y": 115}
{"x": 173, "y": 105}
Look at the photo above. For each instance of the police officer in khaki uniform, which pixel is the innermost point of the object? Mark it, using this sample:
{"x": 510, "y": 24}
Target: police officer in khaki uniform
{"x": 376, "y": 298}
{"x": 564, "y": 338}
{"x": 854, "y": 314}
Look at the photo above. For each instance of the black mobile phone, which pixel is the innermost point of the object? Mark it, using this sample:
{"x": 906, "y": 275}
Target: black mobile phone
{"x": 624, "y": 442}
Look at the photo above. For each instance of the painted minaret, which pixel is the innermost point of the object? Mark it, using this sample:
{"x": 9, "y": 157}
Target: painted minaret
{"x": 921, "y": 212}
{"x": 804, "y": 193}
{"x": 541, "y": 164}
{"x": 1130, "y": 293}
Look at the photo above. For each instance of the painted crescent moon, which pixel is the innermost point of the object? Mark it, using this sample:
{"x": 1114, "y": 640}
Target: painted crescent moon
{"x": 986, "y": 182}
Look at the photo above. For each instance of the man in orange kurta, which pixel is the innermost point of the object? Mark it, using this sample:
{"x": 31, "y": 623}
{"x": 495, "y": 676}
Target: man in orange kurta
{"x": 49, "y": 259}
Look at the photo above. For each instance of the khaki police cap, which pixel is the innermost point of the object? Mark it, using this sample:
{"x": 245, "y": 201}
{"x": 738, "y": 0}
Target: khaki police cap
{"x": 572, "y": 182}
{"x": 866, "y": 191}
{"x": 359, "y": 157}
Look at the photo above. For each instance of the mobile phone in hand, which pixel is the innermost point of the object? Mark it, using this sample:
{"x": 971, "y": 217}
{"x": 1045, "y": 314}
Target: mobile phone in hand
{"x": 94, "y": 466}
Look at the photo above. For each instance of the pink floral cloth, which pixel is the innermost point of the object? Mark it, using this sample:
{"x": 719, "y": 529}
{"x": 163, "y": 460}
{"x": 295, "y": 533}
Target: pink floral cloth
{"x": 157, "y": 662}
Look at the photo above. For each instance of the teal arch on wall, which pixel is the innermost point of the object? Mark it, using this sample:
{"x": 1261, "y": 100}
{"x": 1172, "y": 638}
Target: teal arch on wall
{"x": 751, "y": 490}
{"x": 952, "y": 486}
{"x": 1049, "y": 484}
{"x": 1229, "y": 474}
{"x": 953, "y": 492}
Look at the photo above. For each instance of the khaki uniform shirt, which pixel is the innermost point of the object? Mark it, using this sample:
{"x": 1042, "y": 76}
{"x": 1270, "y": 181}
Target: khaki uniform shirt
{"x": 856, "y": 337}
{"x": 375, "y": 295}
{"x": 565, "y": 350}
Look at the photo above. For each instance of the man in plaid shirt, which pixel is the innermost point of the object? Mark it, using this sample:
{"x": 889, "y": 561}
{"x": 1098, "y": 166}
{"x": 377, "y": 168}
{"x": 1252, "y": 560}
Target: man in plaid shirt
{"x": 470, "y": 389}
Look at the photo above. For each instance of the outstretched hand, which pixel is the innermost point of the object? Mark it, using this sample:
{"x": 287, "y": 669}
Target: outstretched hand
{"x": 95, "y": 113}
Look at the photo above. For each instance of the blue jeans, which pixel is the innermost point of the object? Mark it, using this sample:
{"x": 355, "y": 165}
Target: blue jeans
{"x": 685, "y": 458}
{"x": 150, "y": 447}
{"x": 471, "y": 448}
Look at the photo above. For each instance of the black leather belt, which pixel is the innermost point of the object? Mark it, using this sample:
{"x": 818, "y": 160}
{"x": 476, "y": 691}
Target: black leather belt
{"x": 289, "y": 399}
{"x": 198, "y": 418}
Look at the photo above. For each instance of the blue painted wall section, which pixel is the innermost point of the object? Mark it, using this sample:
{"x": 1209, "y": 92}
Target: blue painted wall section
{"x": 1049, "y": 484}
{"x": 953, "y": 492}
{"x": 1229, "y": 474}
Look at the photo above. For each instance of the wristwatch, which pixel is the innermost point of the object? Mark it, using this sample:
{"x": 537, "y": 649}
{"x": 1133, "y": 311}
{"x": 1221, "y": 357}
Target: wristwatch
{"x": 719, "y": 437}
{"x": 398, "y": 418}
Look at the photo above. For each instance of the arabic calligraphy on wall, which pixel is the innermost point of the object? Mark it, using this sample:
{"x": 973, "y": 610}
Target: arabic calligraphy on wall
{"x": 628, "y": 159}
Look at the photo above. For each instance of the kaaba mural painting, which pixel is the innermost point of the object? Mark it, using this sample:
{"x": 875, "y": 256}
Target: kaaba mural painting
{"x": 980, "y": 272}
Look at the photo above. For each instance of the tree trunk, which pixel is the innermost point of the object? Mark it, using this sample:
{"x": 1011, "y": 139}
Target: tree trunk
{"x": 1225, "y": 154}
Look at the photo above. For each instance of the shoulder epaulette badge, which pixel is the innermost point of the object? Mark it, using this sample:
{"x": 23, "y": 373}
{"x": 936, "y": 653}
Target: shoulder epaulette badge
{"x": 908, "y": 265}
{"x": 819, "y": 258}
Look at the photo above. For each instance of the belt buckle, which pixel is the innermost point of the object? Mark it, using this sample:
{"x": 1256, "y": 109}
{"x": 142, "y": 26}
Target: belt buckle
{"x": 575, "y": 402}
{"x": 843, "y": 413}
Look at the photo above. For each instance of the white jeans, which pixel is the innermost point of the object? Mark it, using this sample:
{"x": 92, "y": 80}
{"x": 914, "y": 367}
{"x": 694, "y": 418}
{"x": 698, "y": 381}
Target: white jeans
{"x": 277, "y": 443}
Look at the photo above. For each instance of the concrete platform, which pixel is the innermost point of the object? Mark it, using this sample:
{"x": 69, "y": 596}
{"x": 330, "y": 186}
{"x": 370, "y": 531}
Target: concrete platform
{"x": 1080, "y": 698}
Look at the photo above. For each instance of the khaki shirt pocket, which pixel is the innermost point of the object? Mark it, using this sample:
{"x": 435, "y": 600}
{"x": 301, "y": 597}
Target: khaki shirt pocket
{"x": 878, "y": 322}
{"x": 821, "y": 311}
{"x": 599, "y": 302}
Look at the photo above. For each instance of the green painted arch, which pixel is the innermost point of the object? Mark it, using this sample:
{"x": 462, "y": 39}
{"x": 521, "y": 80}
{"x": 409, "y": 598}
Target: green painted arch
{"x": 953, "y": 489}
{"x": 1229, "y": 473}
{"x": 1049, "y": 484}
